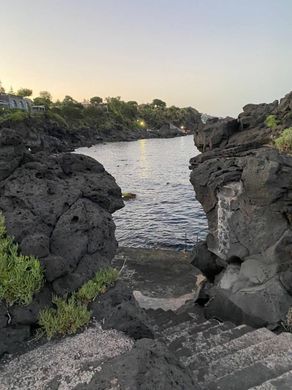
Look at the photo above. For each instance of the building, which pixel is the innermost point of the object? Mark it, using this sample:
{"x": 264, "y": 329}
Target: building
{"x": 14, "y": 102}
{"x": 38, "y": 109}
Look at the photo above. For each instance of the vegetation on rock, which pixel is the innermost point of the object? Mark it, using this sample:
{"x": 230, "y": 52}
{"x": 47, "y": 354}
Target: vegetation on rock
{"x": 66, "y": 318}
{"x": 20, "y": 276}
{"x": 284, "y": 141}
{"x": 13, "y": 116}
{"x": 108, "y": 114}
{"x": 287, "y": 325}
{"x": 69, "y": 315}
{"x": 98, "y": 285}
{"x": 271, "y": 121}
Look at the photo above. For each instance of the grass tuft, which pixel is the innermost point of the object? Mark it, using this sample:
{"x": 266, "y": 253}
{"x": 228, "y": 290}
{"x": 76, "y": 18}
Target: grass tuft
{"x": 98, "y": 285}
{"x": 20, "y": 276}
{"x": 284, "y": 141}
{"x": 271, "y": 121}
{"x": 67, "y": 318}
{"x": 287, "y": 325}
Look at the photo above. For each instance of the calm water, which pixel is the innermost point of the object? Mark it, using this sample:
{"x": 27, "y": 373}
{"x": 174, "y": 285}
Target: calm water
{"x": 165, "y": 213}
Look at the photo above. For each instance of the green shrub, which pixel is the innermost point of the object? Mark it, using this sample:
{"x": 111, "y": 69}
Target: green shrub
{"x": 67, "y": 318}
{"x": 20, "y": 276}
{"x": 57, "y": 118}
{"x": 14, "y": 116}
{"x": 98, "y": 285}
{"x": 271, "y": 121}
{"x": 284, "y": 141}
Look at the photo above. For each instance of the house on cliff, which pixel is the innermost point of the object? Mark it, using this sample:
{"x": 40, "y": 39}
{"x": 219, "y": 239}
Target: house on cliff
{"x": 14, "y": 102}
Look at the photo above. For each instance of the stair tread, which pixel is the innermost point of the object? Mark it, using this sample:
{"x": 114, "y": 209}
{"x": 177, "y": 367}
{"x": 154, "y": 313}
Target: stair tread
{"x": 243, "y": 358}
{"x": 257, "y": 375}
{"x": 248, "y": 339}
{"x": 189, "y": 330}
{"x": 190, "y": 340}
{"x": 213, "y": 341}
{"x": 282, "y": 382}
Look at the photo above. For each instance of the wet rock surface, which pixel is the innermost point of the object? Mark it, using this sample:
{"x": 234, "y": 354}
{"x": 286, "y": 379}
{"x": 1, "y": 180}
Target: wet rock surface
{"x": 58, "y": 208}
{"x": 245, "y": 187}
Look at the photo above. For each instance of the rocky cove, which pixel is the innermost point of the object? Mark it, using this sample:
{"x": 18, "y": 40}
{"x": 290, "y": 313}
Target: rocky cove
{"x": 173, "y": 320}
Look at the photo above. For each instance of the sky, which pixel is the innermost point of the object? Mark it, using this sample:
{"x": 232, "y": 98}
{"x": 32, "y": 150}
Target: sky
{"x": 214, "y": 55}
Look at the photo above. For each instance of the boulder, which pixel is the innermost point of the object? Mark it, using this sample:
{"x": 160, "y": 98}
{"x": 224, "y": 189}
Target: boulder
{"x": 149, "y": 365}
{"x": 58, "y": 208}
{"x": 117, "y": 309}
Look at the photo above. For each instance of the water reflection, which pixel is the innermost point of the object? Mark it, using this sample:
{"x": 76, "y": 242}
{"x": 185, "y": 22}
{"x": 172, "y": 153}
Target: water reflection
{"x": 165, "y": 213}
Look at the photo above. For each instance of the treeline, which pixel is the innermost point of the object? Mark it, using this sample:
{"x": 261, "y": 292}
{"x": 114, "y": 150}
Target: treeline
{"x": 112, "y": 113}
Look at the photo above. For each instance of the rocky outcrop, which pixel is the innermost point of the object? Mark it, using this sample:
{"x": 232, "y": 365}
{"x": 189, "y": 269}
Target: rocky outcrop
{"x": 58, "y": 208}
{"x": 47, "y": 134}
{"x": 245, "y": 187}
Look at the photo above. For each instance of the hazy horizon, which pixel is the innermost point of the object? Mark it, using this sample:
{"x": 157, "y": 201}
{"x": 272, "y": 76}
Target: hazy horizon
{"x": 214, "y": 55}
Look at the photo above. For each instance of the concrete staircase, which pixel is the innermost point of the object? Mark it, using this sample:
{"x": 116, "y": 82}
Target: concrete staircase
{"x": 224, "y": 356}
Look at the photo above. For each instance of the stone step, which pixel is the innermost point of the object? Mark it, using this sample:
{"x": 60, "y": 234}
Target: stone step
{"x": 215, "y": 340}
{"x": 260, "y": 375}
{"x": 167, "y": 319}
{"x": 186, "y": 339}
{"x": 251, "y": 338}
{"x": 194, "y": 343}
{"x": 187, "y": 329}
{"x": 282, "y": 382}
{"x": 243, "y": 358}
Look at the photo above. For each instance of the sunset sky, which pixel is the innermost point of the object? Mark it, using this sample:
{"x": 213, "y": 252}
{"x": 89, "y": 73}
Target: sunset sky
{"x": 215, "y": 55}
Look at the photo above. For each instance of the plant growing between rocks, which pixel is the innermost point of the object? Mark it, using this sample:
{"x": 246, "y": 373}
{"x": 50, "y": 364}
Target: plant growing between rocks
{"x": 287, "y": 325}
{"x": 67, "y": 318}
{"x": 271, "y": 121}
{"x": 284, "y": 141}
{"x": 71, "y": 314}
{"x": 20, "y": 276}
{"x": 98, "y": 285}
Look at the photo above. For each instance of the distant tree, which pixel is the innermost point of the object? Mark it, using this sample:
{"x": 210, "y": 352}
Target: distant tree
{"x": 44, "y": 99}
{"x": 11, "y": 91}
{"x": 2, "y": 89}
{"x": 158, "y": 103}
{"x": 71, "y": 109}
{"x": 95, "y": 100}
{"x": 24, "y": 92}
{"x": 46, "y": 95}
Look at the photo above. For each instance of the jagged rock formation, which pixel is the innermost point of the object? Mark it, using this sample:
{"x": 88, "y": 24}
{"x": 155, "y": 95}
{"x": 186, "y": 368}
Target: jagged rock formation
{"x": 245, "y": 187}
{"x": 58, "y": 208}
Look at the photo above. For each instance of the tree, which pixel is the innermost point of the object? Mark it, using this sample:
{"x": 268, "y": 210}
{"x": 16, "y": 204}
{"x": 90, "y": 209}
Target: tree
{"x": 46, "y": 95}
{"x": 2, "y": 89}
{"x": 44, "y": 99}
{"x": 95, "y": 100}
{"x": 157, "y": 103}
{"x": 24, "y": 92}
